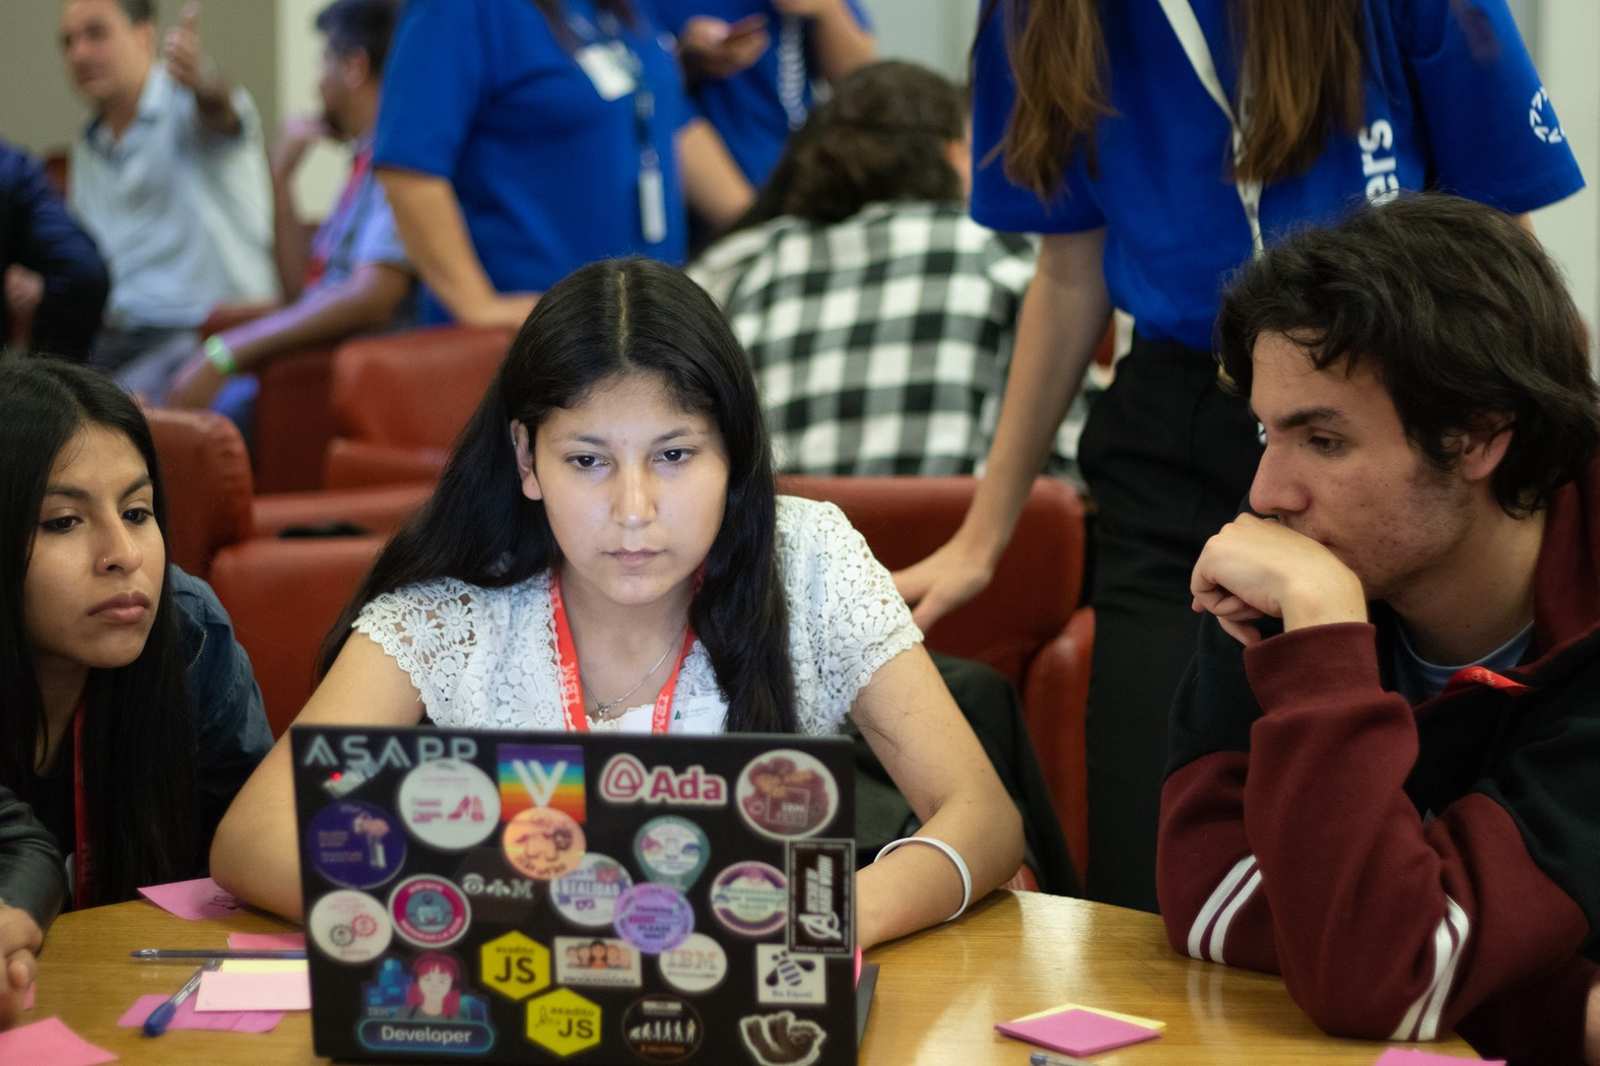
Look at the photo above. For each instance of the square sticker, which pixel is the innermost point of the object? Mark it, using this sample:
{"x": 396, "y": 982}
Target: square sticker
{"x": 821, "y": 900}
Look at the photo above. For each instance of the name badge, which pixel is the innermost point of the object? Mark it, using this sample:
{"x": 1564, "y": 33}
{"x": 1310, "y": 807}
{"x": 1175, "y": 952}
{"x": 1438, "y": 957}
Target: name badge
{"x": 607, "y": 68}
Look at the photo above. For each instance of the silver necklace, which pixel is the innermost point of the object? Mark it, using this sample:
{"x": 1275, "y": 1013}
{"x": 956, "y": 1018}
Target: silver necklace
{"x": 606, "y": 710}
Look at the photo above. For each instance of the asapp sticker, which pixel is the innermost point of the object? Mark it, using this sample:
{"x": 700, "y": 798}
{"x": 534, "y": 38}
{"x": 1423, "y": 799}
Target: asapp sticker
{"x": 423, "y": 1006}
{"x": 449, "y": 804}
{"x": 662, "y": 1029}
{"x": 355, "y": 844}
{"x": 543, "y": 843}
{"x": 600, "y": 962}
{"x": 654, "y": 917}
{"x": 429, "y": 911}
{"x": 781, "y": 1039}
{"x": 697, "y": 965}
{"x": 588, "y": 895}
{"x": 349, "y": 926}
{"x": 786, "y": 795}
{"x": 498, "y": 894}
{"x": 821, "y": 910}
{"x": 671, "y": 850}
{"x": 541, "y": 775}
{"x": 625, "y": 780}
{"x": 784, "y": 978}
{"x": 750, "y": 898}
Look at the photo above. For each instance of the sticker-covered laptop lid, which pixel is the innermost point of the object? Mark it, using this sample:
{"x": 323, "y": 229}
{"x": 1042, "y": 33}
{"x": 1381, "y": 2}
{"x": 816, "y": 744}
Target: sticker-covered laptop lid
{"x": 599, "y": 898}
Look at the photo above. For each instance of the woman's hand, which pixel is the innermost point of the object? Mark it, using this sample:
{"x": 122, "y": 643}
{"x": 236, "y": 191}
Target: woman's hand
{"x": 944, "y": 581}
{"x": 20, "y": 940}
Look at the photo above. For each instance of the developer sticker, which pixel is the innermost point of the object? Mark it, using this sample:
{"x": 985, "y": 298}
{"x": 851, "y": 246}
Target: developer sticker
{"x": 543, "y": 843}
{"x": 750, "y": 898}
{"x": 654, "y": 918}
{"x": 787, "y": 794}
{"x": 600, "y": 962}
{"x": 349, "y": 926}
{"x": 355, "y": 844}
{"x": 662, "y": 1029}
{"x": 449, "y": 804}
{"x": 429, "y": 911}
{"x": 821, "y": 904}
{"x": 671, "y": 850}
{"x": 697, "y": 965}
{"x": 588, "y": 895}
{"x": 423, "y": 1006}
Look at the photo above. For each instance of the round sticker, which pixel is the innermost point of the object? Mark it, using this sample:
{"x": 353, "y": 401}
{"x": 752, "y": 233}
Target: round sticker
{"x": 654, "y": 917}
{"x": 750, "y": 898}
{"x": 429, "y": 911}
{"x": 543, "y": 843}
{"x": 349, "y": 926}
{"x": 697, "y": 965}
{"x": 787, "y": 794}
{"x": 588, "y": 895}
{"x": 662, "y": 1029}
{"x": 355, "y": 844}
{"x": 671, "y": 850}
{"x": 449, "y": 803}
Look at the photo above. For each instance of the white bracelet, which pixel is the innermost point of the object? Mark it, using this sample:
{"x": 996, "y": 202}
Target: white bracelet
{"x": 952, "y": 854}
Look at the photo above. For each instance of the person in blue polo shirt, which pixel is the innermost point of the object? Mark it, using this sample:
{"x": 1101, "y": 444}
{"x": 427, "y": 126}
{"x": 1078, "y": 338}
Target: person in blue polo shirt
{"x": 751, "y": 64}
{"x": 1126, "y": 153}
{"x": 521, "y": 139}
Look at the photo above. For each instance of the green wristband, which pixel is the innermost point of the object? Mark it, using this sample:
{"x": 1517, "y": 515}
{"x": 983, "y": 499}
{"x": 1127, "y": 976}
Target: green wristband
{"x": 219, "y": 355}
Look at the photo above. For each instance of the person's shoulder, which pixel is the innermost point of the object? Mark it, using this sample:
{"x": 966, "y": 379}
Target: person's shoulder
{"x": 195, "y": 600}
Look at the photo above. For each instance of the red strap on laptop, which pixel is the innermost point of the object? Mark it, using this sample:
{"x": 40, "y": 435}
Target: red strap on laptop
{"x": 572, "y": 683}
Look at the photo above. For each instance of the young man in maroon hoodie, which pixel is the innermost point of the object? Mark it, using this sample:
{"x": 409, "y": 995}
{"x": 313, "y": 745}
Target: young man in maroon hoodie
{"x": 1385, "y": 771}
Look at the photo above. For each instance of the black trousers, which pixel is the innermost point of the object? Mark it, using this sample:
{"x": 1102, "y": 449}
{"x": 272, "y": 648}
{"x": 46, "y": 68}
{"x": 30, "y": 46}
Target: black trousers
{"x": 1168, "y": 457}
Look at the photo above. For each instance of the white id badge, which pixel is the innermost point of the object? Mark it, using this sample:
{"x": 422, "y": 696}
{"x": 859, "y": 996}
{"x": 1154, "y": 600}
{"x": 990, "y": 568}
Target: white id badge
{"x": 607, "y": 68}
{"x": 652, "y": 205}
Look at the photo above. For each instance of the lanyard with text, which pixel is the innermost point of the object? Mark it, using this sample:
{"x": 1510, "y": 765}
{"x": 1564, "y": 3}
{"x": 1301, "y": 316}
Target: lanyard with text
{"x": 572, "y": 703}
{"x": 1184, "y": 23}
{"x": 80, "y": 816}
{"x": 616, "y": 70}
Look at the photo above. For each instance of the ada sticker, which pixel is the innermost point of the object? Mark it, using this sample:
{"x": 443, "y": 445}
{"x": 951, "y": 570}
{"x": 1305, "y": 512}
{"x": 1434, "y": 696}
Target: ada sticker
{"x": 588, "y": 895}
{"x": 497, "y": 894}
{"x": 750, "y": 898}
{"x": 625, "y": 780}
{"x": 662, "y": 1029}
{"x": 781, "y": 1039}
{"x": 821, "y": 907}
{"x": 543, "y": 843}
{"x": 672, "y": 850}
{"x": 349, "y": 926}
{"x": 786, "y": 794}
{"x": 541, "y": 775}
{"x": 355, "y": 844}
{"x": 654, "y": 918}
{"x": 563, "y": 1022}
{"x": 449, "y": 804}
{"x": 697, "y": 965}
{"x": 424, "y": 1006}
{"x": 429, "y": 911}
{"x": 783, "y": 977}
{"x": 601, "y": 962}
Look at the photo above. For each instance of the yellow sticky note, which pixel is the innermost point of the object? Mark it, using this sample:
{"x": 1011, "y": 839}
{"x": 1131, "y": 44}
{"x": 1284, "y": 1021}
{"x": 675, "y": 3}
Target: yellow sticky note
{"x": 264, "y": 966}
{"x": 1131, "y": 1019}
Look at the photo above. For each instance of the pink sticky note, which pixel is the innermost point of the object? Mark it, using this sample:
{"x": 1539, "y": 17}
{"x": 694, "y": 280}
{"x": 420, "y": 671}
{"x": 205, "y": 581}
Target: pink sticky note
{"x": 858, "y": 966}
{"x": 1077, "y": 1032}
{"x": 195, "y": 900}
{"x": 267, "y": 941}
{"x": 186, "y": 1017}
{"x": 1409, "y": 1057}
{"x": 223, "y": 991}
{"x": 50, "y": 1041}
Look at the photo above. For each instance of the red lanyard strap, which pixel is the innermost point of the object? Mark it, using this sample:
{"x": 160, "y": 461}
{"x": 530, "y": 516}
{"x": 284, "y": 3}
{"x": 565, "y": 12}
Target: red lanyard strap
{"x": 572, "y": 702}
{"x": 80, "y": 815}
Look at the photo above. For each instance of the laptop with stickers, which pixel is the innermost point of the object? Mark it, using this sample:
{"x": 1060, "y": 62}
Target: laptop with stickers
{"x": 600, "y": 897}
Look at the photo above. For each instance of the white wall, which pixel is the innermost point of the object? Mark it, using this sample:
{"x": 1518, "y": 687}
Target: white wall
{"x": 299, "y": 62}
{"x": 936, "y": 33}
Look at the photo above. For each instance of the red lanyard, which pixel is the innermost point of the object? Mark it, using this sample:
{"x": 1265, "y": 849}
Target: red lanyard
{"x": 318, "y": 265}
{"x": 572, "y": 683}
{"x": 80, "y": 815}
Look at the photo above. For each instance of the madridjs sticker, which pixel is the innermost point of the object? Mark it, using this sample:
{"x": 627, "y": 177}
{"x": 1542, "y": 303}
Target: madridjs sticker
{"x": 662, "y": 1029}
{"x": 563, "y": 1022}
{"x": 423, "y": 1006}
{"x": 787, "y": 794}
{"x": 349, "y": 926}
{"x": 781, "y": 1039}
{"x": 429, "y": 911}
{"x": 654, "y": 918}
{"x": 625, "y": 780}
{"x": 671, "y": 850}
{"x": 355, "y": 844}
{"x": 697, "y": 965}
{"x": 821, "y": 904}
{"x": 784, "y": 978}
{"x": 543, "y": 843}
{"x": 449, "y": 804}
{"x": 588, "y": 895}
{"x": 497, "y": 893}
{"x": 541, "y": 775}
{"x": 514, "y": 965}
{"x": 600, "y": 962}
{"x": 750, "y": 898}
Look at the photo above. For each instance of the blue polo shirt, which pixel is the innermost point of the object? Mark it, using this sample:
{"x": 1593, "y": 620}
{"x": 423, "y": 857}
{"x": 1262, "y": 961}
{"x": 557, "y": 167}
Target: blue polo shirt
{"x": 1452, "y": 104}
{"x": 545, "y": 166}
{"x": 748, "y": 109}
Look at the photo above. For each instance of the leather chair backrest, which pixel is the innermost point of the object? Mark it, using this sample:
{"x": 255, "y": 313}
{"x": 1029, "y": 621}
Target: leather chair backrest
{"x": 416, "y": 388}
{"x": 206, "y": 473}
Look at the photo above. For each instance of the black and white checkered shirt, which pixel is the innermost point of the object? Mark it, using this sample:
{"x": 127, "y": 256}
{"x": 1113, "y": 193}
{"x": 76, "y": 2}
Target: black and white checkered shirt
{"x": 880, "y": 344}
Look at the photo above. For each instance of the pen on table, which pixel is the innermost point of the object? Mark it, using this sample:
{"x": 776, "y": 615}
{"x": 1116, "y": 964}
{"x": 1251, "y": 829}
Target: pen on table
{"x": 162, "y": 1016}
{"x": 1044, "y": 1058}
{"x": 159, "y": 954}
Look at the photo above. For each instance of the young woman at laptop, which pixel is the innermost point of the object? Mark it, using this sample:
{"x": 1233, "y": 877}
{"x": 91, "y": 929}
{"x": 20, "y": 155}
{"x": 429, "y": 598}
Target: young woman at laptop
{"x": 606, "y": 550}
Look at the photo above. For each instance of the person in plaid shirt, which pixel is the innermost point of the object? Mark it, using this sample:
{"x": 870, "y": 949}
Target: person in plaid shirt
{"x": 877, "y": 315}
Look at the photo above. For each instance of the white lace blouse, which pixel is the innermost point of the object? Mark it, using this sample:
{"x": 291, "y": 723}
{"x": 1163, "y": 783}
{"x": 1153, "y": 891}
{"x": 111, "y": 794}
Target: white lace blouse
{"x": 486, "y": 657}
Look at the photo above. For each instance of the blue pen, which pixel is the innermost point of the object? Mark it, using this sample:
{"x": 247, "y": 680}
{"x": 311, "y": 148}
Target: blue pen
{"x": 1044, "y": 1058}
{"x": 161, "y": 1017}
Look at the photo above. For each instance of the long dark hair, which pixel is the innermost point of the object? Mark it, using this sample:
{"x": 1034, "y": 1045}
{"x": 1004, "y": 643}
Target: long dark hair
{"x": 610, "y": 319}
{"x": 138, "y": 732}
{"x": 1303, "y": 61}
{"x": 882, "y": 136}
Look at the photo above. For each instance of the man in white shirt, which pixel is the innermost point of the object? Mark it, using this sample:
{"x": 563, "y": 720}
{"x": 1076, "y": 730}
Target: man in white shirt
{"x": 170, "y": 177}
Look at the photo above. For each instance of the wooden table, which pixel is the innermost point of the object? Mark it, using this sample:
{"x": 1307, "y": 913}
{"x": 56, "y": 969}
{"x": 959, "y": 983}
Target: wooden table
{"x": 939, "y": 992}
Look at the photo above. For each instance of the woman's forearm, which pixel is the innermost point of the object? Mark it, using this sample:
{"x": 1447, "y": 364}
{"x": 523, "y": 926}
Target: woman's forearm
{"x": 430, "y": 222}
